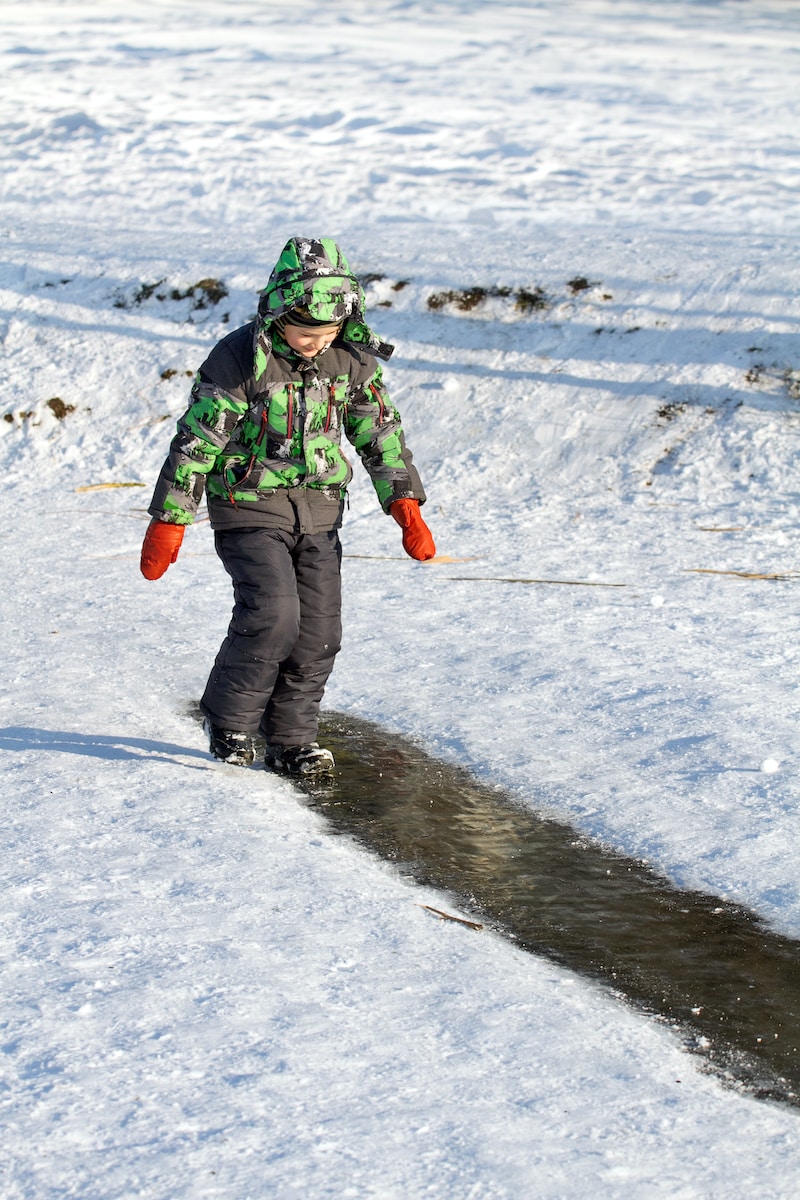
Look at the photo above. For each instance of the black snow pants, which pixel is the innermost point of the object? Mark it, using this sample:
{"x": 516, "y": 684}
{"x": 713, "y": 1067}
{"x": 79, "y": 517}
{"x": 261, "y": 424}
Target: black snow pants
{"x": 285, "y": 631}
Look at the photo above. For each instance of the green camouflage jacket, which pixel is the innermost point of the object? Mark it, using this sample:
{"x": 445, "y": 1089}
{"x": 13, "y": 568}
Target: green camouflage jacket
{"x": 262, "y": 434}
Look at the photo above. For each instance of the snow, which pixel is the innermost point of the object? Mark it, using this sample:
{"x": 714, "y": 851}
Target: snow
{"x": 206, "y": 993}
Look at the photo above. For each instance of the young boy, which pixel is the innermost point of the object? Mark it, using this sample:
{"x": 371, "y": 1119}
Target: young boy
{"x": 262, "y": 437}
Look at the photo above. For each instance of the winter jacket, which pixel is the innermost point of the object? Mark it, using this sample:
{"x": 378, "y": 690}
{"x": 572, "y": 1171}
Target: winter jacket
{"x": 262, "y": 434}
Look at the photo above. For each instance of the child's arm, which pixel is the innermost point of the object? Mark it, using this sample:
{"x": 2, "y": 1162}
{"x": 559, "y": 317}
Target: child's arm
{"x": 372, "y": 424}
{"x": 203, "y": 432}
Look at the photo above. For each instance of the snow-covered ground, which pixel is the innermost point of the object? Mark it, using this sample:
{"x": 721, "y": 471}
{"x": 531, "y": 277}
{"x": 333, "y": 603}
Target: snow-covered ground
{"x": 204, "y": 993}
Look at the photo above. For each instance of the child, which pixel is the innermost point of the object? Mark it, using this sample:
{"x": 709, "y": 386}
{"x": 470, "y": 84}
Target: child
{"x": 262, "y": 437}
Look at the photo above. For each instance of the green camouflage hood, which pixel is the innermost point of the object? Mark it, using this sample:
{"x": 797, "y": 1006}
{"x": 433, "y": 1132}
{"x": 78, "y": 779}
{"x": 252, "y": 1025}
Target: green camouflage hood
{"x": 313, "y": 273}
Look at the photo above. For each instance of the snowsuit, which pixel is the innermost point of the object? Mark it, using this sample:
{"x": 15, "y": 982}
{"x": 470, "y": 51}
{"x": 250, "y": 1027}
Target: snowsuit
{"x": 262, "y": 439}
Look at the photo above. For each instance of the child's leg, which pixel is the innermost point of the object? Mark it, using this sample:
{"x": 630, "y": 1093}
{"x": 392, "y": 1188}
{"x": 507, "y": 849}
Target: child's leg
{"x": 264, "y": 626}
{"x": 291, "y": 715}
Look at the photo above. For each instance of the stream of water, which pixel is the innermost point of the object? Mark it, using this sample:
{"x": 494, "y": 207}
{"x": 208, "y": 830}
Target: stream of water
{"x": 712, "y": 969}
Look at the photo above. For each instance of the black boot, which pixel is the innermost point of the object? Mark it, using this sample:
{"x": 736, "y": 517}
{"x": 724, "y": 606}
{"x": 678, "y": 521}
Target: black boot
{"x": 230, "y": 745}
{"x": 310, "y": 759}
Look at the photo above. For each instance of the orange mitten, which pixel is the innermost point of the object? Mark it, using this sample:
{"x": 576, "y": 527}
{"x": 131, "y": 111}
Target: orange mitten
{"x": 160, "y": 547}
{"x": 417, "y": 539}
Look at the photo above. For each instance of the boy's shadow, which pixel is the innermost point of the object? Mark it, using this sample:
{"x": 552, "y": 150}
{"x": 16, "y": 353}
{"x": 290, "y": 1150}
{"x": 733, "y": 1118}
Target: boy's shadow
{"x": 20, "y": 738}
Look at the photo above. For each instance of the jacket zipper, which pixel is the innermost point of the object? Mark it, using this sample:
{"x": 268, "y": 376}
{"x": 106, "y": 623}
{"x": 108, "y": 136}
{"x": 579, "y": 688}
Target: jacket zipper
{"x": 331, "y": 403}
{"x": 260, "y": 444}
{"x": 289, "y": 411}
{"x": 377, "y": 396}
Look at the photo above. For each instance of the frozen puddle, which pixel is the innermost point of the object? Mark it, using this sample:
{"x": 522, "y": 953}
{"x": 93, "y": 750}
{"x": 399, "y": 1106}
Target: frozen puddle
{"x": 711, "y": 969}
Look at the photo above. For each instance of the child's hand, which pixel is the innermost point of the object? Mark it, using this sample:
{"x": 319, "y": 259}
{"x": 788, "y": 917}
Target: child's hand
{"x": 160, "y": 548}
{"x": 417, "y": 539}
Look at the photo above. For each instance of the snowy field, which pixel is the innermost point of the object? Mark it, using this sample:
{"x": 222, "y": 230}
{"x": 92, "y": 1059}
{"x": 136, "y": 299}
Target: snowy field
{"x": 579, "y": 223}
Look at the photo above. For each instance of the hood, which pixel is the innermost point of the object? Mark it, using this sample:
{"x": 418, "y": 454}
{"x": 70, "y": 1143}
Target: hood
{"x": 313, "y": 273}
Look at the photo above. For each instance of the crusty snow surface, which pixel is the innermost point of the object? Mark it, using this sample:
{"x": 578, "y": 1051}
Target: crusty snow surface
{"x": 204, "y": 993}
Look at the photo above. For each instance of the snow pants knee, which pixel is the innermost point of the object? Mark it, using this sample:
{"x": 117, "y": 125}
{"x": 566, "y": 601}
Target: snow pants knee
{"x": 285, "y": 631}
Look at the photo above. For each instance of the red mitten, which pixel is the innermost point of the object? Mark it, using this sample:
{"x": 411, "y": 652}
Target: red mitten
{"x": 160, "y": 547}
{"x": 417, "y": 539}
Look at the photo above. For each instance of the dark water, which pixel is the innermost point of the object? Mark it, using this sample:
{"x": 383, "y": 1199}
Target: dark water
{"x": 710, "y": 968}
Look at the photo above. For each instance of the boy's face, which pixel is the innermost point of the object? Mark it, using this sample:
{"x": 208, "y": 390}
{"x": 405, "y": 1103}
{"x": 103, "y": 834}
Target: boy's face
{"x": 310, "y": 341}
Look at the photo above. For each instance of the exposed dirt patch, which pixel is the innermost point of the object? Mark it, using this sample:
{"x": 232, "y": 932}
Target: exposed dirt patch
{"x": 529, "y": 300}
{"x": 171, "y": 372}
{"x": 526, "y": 300}
{"x": 580, "y": 284}
{"x": 668, "y": 412}
{"x": 772, "y": 376}
{"x": 203, "y": 294}
{"x": 381, "y": 285}
{"x": 58, "y": 408}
